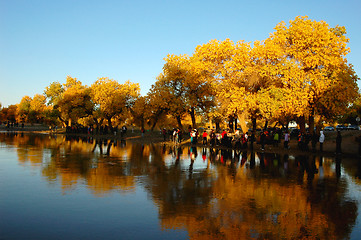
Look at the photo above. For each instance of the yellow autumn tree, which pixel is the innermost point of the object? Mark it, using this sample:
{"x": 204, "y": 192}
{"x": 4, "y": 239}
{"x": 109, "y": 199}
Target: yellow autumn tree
{"x": 53, "y": 92}
{"x": 140, "y": 111}
{"x": 166, "y": 97}
{"x": 227, "y": 67}
{"x": 112, "y": 98}
{"x": 314, "y": 64}
{"x": 37, "y": 108}
{"x": 9, "y": 113}
{"x": 76, "y": 101}
{"x": 24, "y": 108}
{"x": 265, "y": 97}
{"x": 353, "y": 112}
{"x": 185, "y": 87}
{"x": 70, "y": 101}
{"x": 292, "y": 75}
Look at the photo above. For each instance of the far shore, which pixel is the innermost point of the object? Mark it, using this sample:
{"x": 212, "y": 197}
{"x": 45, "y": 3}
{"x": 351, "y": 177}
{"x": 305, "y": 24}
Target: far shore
{"x": 350, "y": 147}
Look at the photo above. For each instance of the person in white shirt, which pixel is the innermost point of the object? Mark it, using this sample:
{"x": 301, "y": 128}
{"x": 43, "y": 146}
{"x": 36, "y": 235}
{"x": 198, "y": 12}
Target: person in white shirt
{"x": 287, "y": 139}
{"x": 321, "y": 140}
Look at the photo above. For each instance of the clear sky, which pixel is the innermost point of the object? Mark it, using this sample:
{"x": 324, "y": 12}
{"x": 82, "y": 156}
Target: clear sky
{"x": 43, "y": 41}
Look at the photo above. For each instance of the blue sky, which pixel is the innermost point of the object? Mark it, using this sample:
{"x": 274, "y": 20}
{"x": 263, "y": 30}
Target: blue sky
{"x": 43, "y": 41}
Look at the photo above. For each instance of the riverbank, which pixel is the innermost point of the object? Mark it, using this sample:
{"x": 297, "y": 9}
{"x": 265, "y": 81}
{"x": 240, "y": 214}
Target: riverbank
{"x": 349, "y": 146}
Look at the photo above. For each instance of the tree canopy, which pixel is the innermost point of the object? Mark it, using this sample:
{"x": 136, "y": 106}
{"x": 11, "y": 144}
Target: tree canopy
{"x": 299, "y": 73}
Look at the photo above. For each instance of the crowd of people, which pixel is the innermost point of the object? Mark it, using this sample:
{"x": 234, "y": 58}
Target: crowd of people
{"x": 209, "y": 137}
{"x": 10, "y": 124}
{"x": 174, "y": 135}
{"x": 240, "y": 140}
{"x": 102, "y": 130}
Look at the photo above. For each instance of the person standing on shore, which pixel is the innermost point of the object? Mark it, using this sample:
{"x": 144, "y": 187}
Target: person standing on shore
{"x": 252, "y": 139}
{"x": 287, "y": 139}
{"x": 164, "y": 132}
{"x": 321, "y": 140}
{"x": 142, "y": 130}
{"x": 338, "y": 142}
{"x": 275, "y": 139}
{"x": 314, "y": 140}
{"x": 262, "y": 139}
{"x": 180, "y": 135}
{"x": 204, "y": 136}
{"x": 175, "y": 135}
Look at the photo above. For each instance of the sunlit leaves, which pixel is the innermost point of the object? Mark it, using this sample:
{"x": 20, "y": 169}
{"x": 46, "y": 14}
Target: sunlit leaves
{"x": 53, "y": 92}
{"x": 300, "y": 70}
{"x": 112, "y": 98}
{"x": 76, "y": 102}
{"x": 24, "y": 108}
{"x": 314, "y": 55}
{"x": 71, "y": 101}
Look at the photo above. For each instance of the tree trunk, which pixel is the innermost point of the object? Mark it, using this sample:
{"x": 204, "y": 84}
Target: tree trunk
{"x": 242, "y": 121}
{"x": 311, "y": 121}
{"x": 254, "y": 124}
{"x": 217, "y": 126}
{"x": 65, "y": 123}
{"x": 179, "y": 121}
{"x": 193, "y": 117}
{"x": 156, "y": 118}
{"x": 109, "y": 146}
{"x": 110, "y": 124}
{"x": 153, "y": 125}
{"x": 265, "y": 125}
{"x": 301, "y": 123}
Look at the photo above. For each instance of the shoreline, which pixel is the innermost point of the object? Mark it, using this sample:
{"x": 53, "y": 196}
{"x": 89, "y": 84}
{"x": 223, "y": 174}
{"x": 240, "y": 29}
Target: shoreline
{"x": 350, "y": 147}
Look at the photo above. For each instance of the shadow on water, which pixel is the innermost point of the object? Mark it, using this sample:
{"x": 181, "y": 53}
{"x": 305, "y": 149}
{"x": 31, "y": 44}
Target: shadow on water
{"x": 211, "y": 193}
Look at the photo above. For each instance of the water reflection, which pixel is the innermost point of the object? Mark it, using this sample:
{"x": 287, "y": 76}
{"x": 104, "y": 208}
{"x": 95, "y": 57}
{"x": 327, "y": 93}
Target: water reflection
{"x": 212, "y": 193}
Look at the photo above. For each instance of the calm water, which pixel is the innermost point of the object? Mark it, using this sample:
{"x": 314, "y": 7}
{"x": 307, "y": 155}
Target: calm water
{"x": 59, "y": 188}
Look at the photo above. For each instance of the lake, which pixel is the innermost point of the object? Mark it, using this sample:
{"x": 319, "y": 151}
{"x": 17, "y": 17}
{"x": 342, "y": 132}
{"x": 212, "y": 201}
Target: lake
{"x": 58, "y": 187}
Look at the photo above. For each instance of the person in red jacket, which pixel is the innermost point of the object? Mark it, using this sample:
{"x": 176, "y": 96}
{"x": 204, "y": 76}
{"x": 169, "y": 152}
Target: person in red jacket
{"x": 204, "y": 135}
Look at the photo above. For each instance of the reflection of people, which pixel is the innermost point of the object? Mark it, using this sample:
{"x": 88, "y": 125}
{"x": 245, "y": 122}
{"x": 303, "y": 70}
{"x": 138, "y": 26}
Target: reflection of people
{"x": 338, "y": 166}
{"x": 204, "y": 154}
{"x": 193, "y": 153}
{"x": 320, "y": 168}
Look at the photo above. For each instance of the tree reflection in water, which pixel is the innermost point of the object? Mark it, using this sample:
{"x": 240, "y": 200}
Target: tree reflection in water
{"x": 217, "y": 194}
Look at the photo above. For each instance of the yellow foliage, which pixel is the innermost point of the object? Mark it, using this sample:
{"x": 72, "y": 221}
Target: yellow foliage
{"x": 113, "y": 98}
